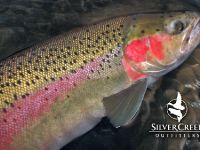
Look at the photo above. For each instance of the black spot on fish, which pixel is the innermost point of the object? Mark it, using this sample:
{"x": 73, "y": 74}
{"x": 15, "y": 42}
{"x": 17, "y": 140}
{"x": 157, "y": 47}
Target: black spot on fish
{"x": 37, "y": 61}
{"x": 33, "y": 82}
{"x": 19, "y": 82}
{"x": 12, "y": 105}
{"x": 74, "y": 60}
{"x": 87, "y": 51}
{"x": 119, "y": 34}
{"x": 47, "y": 62}
{"x": 35, "y": 69}
{"x": 64, "y": 56}
{"x": 142, "y": 31}
{"x": 53, "y": 79}
{"x": 6, "y": 102}
{"x": 54, "y": 70}
{"x": 7, "y": 84}
{"x": 107, "y": 32}
{"x": 64, "y": 68}
{"x": 28, "y": 71}
{"x": 45, "y": 78}
{"x": 4, "y": 110}
{"x": 46, "y": 69}
{"x": 71, "y": 63}
{"x": 18, "y": 68}
{"x": 68, "y": 53}
{"x": 73, "y": 71}
{"x": 21, "y": 74}
{"x": 37, "y": 77}
{"x": 1, "y": 92}
{"x": 76, "y": 53}
{"x": 15, "y": 96}
{"x": 13, "y": 84}
{"x": 83, "y": 52}
{"x": 74, "y": 84}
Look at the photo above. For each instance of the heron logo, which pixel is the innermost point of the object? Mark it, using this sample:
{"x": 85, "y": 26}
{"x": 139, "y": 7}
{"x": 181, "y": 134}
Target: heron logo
{"x": 177, "y": 108}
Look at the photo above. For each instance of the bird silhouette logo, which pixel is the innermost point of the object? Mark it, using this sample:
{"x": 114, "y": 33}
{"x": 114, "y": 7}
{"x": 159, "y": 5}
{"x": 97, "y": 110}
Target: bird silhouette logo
{"x": 177, "y": 108}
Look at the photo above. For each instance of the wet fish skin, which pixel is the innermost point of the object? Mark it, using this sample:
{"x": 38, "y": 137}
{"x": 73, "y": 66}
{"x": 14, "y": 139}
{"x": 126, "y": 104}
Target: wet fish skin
{"x": 53, "y": 91}
{"x": 47, "y": 81}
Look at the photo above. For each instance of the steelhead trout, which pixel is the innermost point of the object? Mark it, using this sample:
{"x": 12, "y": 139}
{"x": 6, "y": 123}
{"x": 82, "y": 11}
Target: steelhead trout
{"x": 59, "y": 89}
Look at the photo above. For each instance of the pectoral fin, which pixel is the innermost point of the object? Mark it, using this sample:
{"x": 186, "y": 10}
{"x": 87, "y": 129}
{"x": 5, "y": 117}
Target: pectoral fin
{"x": 122, "y": 107}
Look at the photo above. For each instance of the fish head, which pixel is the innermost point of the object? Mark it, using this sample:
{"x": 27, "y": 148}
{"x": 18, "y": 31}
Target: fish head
{"x": 157, "y": 43}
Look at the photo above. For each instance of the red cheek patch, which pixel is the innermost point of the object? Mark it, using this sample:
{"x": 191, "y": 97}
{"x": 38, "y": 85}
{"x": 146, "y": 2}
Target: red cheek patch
{"x": 156, "y": 46}
{"x": 137, "y": 49}
{"x": 133, "y": 74}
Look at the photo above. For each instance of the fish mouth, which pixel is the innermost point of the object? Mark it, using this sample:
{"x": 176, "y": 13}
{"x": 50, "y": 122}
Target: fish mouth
{"x": 190, "y": 41}
{"x": 192, "y": 38}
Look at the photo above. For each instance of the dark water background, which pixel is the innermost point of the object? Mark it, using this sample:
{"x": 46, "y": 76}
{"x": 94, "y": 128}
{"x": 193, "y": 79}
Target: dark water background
{"x": 25, "y": 22}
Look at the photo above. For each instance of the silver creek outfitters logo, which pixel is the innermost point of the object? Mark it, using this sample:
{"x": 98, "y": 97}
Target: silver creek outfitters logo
{"x": 177, "y": 108}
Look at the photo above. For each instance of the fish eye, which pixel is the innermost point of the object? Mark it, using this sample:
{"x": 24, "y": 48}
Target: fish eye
{"x": 176, "y": 27}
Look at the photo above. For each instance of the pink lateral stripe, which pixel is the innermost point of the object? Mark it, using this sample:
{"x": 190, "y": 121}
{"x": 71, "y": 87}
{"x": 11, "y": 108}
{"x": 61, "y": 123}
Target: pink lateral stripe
{"x": 32, "y": 107}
